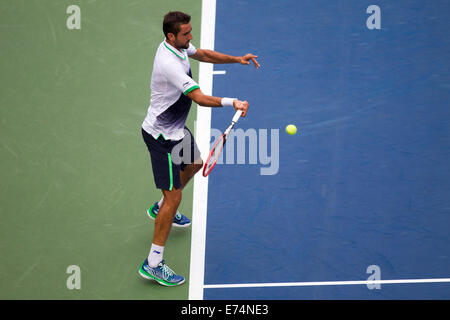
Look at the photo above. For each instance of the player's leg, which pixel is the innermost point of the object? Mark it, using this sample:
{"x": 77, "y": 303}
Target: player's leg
{"x": 154, "y": 266}
{"x": 195, "y": 162}
{"x": 165, "y": 173}
{"x": 192, "y": 163}
{"x": 167, "y": 178}
{"x": 167, "y": 211}
{"x": 189, "y": 171}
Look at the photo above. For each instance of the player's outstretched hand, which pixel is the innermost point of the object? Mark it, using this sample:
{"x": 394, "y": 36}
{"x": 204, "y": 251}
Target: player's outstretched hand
{"x": 246, "y": 60}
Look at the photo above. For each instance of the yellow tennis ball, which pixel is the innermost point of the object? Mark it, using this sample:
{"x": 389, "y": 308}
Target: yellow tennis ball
{"x": 291, "y": 129}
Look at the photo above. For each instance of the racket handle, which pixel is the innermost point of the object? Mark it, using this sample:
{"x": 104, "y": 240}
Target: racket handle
{"x": 237, "y": 115}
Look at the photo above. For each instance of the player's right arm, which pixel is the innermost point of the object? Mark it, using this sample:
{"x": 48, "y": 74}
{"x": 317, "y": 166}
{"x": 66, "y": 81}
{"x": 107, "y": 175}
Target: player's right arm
{"x": 175, "y": 74}
{"x": 210, "y": 101}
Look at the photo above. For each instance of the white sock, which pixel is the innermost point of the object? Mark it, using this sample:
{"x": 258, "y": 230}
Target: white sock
{"x": 155, "y": 256}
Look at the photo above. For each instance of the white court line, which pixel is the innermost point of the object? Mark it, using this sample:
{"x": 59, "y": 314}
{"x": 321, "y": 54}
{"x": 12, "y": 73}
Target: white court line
{"x": 219, "y": 72}
{"x": 202, "y": 136}
{"x": 324, "y": 283}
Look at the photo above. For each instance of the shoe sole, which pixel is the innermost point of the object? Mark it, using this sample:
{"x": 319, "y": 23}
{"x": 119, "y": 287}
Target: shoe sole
{"x": 176, "y": 225}
{"x": 159, "y": 281}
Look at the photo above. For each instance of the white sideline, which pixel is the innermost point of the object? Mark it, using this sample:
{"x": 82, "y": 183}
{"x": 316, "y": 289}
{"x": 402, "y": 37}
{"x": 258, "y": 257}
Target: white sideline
{"x": 202, "y": 136}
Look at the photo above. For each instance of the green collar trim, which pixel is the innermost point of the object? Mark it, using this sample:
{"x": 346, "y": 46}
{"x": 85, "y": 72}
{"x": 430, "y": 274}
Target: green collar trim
{"x": 179, "y": 56}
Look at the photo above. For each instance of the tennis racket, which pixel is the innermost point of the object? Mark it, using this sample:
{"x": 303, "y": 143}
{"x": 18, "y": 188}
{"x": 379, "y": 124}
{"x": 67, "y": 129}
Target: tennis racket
{"x": 218, "y": 146}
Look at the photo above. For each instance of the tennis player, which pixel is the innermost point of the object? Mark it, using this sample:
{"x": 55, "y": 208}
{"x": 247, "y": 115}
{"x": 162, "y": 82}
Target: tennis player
{"x": 172, "y": 92}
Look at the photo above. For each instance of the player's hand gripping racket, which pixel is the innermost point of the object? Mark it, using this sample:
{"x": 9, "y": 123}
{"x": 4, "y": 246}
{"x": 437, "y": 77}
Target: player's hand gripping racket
{"x": 218, "y": 146}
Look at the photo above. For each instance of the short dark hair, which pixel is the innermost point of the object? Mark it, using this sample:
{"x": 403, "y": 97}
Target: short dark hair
{"x": 173, "y": 20}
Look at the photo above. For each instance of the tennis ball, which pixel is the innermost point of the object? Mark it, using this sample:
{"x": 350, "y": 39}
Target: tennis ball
{"x": 291, "y": 129}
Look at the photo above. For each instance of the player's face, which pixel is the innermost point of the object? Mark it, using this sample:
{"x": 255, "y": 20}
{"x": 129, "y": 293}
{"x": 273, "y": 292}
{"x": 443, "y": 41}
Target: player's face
{"x": 184, "y": 36}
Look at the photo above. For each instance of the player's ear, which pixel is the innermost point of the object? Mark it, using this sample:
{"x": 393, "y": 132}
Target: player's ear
{"x": 171, "y": 36}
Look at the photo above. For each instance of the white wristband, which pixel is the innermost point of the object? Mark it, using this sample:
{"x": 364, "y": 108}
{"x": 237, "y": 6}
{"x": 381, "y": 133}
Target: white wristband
{"x": 227, "y": 102}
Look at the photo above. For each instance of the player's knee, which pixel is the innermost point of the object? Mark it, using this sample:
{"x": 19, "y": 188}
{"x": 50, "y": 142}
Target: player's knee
{"x": 177, "y": 197}
{"x": 173, "y": 197}
{"x": 198, "y": 165}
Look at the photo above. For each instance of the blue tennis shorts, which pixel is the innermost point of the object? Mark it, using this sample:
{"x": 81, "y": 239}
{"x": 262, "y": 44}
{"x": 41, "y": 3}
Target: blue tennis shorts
{"x": 169, "y": 157}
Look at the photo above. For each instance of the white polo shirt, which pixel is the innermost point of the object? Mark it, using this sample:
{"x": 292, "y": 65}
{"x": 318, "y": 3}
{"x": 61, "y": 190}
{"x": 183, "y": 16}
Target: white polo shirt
{"x": 171, "y": 82}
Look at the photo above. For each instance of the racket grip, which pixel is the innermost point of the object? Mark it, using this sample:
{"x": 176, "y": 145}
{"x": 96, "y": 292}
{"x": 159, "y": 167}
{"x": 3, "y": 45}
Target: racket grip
{"x": 237, "y": 115}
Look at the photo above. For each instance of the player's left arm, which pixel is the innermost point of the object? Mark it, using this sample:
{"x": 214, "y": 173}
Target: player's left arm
{"x": 210, "y": 56}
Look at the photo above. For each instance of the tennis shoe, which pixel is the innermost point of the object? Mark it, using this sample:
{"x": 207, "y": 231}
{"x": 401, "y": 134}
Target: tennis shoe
{"x": 180, "y": 220}
{"x": 161, "y": 274}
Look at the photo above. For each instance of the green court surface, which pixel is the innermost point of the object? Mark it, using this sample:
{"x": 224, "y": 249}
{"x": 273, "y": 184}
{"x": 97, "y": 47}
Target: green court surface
{"x": 75, "y": 173}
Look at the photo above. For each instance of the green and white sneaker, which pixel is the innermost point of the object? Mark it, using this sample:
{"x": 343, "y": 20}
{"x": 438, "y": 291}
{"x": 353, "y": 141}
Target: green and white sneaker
{"x": 162, "y": 274}
{"x": 180, "y": 220}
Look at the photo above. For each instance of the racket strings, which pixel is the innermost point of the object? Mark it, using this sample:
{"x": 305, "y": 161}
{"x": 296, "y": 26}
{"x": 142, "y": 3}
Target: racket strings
{"x": 215, "y": 154}
{"x": 218, "y": 151}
